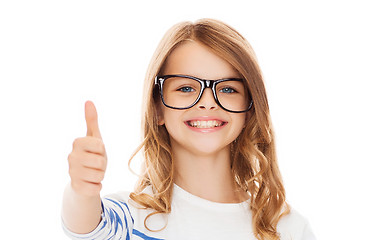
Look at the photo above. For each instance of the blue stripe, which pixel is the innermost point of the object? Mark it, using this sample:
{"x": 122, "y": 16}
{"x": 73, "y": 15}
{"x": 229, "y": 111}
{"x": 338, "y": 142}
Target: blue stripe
{"x": 126, "y": 205}
{"x": 111, "y": 219}
{"x": 126, "y": 221}
{"x": 144, "y": 236}
{"x": 105, "y": 221}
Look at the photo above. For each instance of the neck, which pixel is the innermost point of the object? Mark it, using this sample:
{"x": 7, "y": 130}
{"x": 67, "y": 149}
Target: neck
{"x": 207, "y": 176}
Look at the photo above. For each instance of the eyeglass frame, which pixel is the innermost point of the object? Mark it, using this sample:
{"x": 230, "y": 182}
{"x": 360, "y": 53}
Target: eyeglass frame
{"x": 205, "y": 83}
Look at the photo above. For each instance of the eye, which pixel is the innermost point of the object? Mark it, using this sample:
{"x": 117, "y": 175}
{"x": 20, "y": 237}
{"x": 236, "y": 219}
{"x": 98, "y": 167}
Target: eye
{"x": 227, "y": 90}
{"x": 186, "y": 89}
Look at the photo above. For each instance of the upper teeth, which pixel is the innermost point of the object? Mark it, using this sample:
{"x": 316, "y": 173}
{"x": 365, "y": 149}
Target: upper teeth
{"x": 205, "y": 124}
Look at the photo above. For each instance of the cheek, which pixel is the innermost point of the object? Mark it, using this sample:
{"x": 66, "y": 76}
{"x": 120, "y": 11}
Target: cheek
{"x": 240, "y": 124}
{"x": 173, "y": 127}
{"x": 240, "y": 120}
{"x": 171, "y": 119}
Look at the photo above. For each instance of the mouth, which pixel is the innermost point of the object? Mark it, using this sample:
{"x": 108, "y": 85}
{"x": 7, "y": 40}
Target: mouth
{"x": 205, "y": 124}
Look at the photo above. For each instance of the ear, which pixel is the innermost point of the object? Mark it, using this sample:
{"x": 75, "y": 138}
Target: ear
{"x": 160, "y": 120}
{"x": 160, "y": 115}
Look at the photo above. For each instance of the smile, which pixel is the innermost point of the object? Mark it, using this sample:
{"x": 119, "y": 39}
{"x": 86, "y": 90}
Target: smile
{"x": 205, "y": 124}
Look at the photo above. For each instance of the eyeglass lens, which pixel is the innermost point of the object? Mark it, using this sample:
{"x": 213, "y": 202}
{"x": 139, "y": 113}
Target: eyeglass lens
{"x": 180, "y": 92}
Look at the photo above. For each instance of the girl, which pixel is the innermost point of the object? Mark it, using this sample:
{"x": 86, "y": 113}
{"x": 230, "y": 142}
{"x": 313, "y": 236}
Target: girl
{"x": 209, "y": 170}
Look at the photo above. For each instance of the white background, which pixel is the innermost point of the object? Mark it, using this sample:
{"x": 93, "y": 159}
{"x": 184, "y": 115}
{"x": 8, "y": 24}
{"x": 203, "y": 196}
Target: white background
{"x": 317, "y": 58}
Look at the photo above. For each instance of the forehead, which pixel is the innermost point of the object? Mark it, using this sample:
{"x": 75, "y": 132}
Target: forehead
{"x": 194, "y": 59}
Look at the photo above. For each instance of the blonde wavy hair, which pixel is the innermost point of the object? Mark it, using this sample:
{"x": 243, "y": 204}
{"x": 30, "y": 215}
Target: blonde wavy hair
{"x": 253, "y": 159}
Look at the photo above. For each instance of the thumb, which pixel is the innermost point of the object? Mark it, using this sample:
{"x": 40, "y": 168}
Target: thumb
{"x": 92, "y": 120}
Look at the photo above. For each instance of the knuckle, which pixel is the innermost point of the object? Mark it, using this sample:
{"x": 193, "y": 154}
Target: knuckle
{"x": 103, "y": 147}
{"x": 100, "y": 163}
{"x": 98, "y": 176}
{"x": 70, "y": 157}
{"x": 77, "y": 142}
{"x": 100, "y": 146}
{"x": 102, "y": 176}
{"x": 74, "y": 159}
{"x": 72, "y": 173}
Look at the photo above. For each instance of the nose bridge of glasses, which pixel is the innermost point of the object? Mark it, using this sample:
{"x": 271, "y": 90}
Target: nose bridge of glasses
{"x": 210, "y": 99}
{"x": 208, "y": 83}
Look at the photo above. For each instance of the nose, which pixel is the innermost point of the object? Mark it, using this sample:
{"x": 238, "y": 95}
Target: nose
{"x": 207, "y": 100}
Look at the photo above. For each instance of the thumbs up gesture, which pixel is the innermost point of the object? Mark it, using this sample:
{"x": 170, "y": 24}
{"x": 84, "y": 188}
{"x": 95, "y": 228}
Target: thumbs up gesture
{"x": 88, "y": 159}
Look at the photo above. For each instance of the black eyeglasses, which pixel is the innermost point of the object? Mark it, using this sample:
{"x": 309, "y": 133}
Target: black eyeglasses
{"x": 183, "y": 92}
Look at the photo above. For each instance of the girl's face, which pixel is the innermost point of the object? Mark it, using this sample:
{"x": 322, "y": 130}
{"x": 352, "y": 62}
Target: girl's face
{"x": 194, "y": 59}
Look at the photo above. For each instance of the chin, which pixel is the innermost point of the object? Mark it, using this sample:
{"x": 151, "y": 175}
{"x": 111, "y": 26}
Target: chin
{"x": 206, "y": 148}
{"x": 201, "y": 145}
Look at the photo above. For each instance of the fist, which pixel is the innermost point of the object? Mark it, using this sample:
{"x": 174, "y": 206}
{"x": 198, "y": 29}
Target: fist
{"x": 88, "y": 159}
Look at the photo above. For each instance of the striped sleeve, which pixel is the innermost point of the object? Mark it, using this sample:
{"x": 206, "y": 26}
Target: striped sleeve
{"x": 116, "y": 223}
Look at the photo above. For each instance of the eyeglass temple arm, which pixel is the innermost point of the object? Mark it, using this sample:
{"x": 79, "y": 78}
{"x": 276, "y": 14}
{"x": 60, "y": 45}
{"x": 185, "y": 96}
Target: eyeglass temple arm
{"x": 156, "y": 80}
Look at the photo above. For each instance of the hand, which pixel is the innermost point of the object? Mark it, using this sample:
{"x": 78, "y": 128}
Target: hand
{"x": 88, "y": 159}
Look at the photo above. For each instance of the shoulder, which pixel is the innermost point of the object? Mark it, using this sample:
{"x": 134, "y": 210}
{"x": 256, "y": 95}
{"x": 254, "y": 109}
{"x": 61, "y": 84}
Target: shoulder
{"x": 124, "y": 196}
{"x": 121, "y": 202}
{"x": 295, "y": 226}
{"x": 120, "y": 208}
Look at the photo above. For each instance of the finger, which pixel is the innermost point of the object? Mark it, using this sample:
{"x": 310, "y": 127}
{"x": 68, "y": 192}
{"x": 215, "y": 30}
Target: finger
{"x": 90, "y": 144}
{"x": 91, "y": 175}
{"x": 94, "y": 161}
{"x": 91, "y": 117}
{"x": 86, "y": 174}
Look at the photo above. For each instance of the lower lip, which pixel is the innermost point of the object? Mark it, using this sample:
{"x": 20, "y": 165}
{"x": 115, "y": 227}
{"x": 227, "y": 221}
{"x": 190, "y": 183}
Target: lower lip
{"x": 205, "y": 130}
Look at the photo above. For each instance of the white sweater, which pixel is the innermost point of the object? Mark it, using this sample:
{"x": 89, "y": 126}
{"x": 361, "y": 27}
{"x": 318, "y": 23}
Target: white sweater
{"x": 191, "y": 218}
